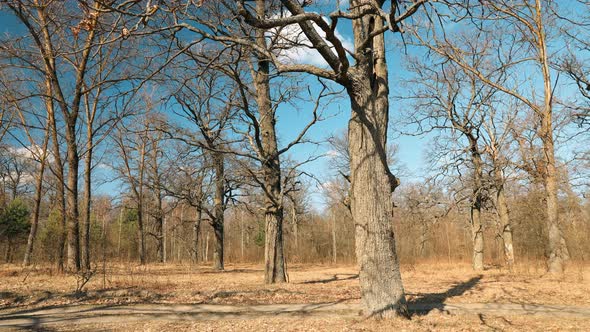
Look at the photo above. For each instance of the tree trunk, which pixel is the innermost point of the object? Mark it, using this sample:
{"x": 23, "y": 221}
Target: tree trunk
{"x": 141, "y": 233}
{"x": 206, "y": 253}
{"x": 334, "y": 237}
{"x": 477, "y": 200}
{"x": 558, "y": 251}
{"x": 72, "y": 213}
{"x": 60, "y": 185}
{"x": 295, "y": 228}
{"x": 37, "y": 200}
{"x": 372, "y": 183}
{"x": 160, "y": 229}
{"x": 219, "y": 210}
{"x": 242, "y": 234}
{"x": 87, "y": 203}
{"x": 197, "y": 232}
{"x": 274, "y": 261}
{"x": 504, "y": 216}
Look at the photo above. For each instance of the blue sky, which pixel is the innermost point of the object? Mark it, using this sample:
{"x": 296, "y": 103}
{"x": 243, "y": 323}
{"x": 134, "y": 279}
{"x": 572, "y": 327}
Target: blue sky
{"x": 291, "y": 119}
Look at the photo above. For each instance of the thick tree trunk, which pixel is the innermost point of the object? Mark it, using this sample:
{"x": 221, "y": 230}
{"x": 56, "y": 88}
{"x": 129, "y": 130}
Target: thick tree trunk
{"x": 219, "y": 210}
{"x": 558, "y": 251}
{"x": 72, "y": 214}
{"x": 372, "y": 183}
{"x": 37, "y": 200}
{"x": 85, "y": 247}
{"x": 476, "y": 205}
{"x": 382, "y": 291}
{"x": 274, "y": 261}
{"x": 504, "y": 216}
{"x": 60, "y": 187}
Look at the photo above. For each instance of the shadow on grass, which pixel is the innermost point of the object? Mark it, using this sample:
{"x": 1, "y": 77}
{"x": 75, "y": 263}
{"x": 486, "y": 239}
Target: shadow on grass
{"x": 331, "y": 279}
{"x": 426, "y": 302}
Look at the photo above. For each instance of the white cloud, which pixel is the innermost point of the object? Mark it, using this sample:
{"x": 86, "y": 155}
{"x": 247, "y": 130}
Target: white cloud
{"x": 303, "y": 53}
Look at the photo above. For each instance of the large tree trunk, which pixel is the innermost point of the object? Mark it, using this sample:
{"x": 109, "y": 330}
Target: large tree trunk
{"x": 274, "y": 260}
{"x": 87, "y": 203}
{"x": 60, "y": 186}
{"x": 372, "y": 183}
{"x": 72, "y": 214}
{"x": 504, "y": 216}
{"x": 38, "y": 197}
{"x": 558, "y": 251}
{"x": 219, "y": 210}
{"x": 476, "y": 205}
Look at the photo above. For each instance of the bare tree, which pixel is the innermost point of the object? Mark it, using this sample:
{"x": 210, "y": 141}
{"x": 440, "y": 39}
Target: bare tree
{"x": 366, "y": 82}
{"x": 531, "y": 21}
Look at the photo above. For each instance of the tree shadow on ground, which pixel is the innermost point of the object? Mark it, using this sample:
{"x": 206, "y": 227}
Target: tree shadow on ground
{"x": 424, "y": 303}
{"x": 333, "y": 278}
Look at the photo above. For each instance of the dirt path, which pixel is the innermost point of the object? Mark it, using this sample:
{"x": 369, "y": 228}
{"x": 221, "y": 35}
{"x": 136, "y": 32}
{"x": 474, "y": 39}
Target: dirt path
{"x": 96, "y": 314}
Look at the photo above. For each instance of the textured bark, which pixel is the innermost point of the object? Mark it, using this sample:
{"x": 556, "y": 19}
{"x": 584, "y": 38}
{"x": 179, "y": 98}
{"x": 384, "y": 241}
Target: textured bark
{"x": 504, "y": 216}
{"x": 274, "y": 260}
{"x": 476, "y": 205}
{"x": 219, "y": 210}
{"x": 275, "y": 270}
{"x": 139, "y": 200}
{"x": 372, "y": 183}
{"x": 59, "y": 190}
{"x": 85, "y": 245}
{"x": 197, "y": 232}
{"x": 72, "y": 213}
{"x": 558, "y": 251}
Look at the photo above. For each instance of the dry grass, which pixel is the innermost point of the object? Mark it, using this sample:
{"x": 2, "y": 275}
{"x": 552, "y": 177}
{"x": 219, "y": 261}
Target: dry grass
{"x": 243, "y": 284}
{"x": 431, "y": 322}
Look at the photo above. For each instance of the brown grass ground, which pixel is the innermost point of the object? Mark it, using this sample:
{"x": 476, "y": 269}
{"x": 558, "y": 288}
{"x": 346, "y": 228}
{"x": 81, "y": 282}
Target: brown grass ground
{"x": 243, "y": 284}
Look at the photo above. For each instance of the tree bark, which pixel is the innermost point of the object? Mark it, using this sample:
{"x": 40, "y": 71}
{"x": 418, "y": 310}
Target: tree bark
{"x": 72, "y": 213}
{"x": 558, "y": 251}
{"x": 275, "y": 270}
{"x": 476, "y": 205}
{"x": 504, "y": 216}
{"x": 141, "y": 232}
{"x": 274, "y": 260}
{"x": 60, "y": 186}
{"x": 197, "y": 232}
{"x": 372, "y": 183}
{"x": 217, "y": 224}
{"x": 87, "y": 202}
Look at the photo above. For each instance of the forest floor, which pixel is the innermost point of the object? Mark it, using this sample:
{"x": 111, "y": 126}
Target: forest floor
{"x": 318, "y": 297}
